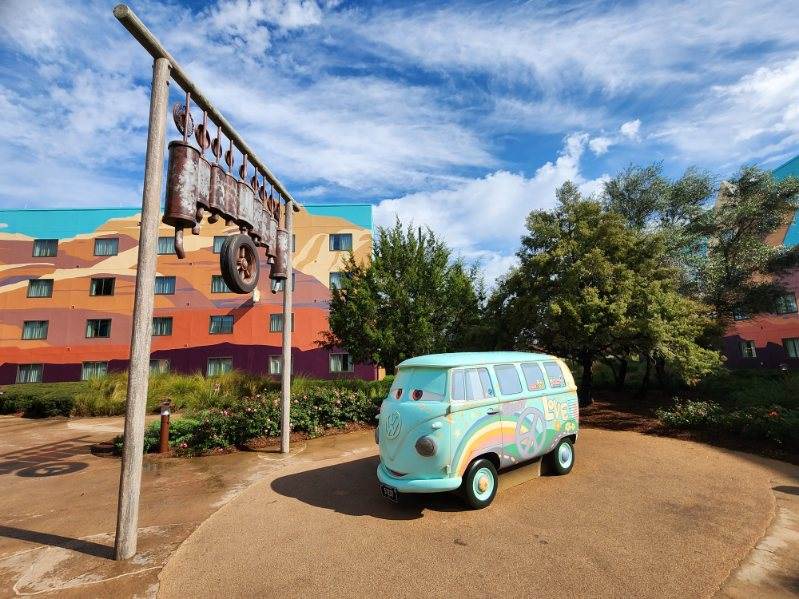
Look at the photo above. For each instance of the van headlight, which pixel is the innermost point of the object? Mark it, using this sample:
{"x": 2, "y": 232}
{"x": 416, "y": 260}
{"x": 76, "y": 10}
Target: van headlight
{"x": 426, "y": 446}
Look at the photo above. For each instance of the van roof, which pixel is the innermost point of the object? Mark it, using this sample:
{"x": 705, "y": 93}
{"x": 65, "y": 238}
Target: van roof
{"x": 454, "y": 359}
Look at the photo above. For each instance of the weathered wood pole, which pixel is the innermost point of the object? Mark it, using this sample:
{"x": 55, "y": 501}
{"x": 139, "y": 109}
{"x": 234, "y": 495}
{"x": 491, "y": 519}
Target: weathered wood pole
{"x": 288, "y": 323}
{"x": 141, "y": 334}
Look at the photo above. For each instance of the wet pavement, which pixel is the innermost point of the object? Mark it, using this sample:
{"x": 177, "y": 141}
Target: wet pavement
{"x": 58, "y": 507}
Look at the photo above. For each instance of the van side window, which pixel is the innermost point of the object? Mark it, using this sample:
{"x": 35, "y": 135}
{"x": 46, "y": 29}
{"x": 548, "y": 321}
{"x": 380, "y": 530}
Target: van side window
{"x": 554, "y": 374}
{"x": 533, "y": 376}
{"x": 508, "y": 378}
{"x": 471, "y": 383}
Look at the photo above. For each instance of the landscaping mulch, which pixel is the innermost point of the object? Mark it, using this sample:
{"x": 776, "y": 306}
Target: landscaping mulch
{"x": 627, "y": 412}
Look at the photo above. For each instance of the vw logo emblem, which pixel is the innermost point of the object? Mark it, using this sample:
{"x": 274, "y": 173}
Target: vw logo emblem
{"x": 393, "y": 425}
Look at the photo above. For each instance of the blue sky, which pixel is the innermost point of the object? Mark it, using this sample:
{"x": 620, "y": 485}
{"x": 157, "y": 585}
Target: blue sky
{"x": 461, "y": 116}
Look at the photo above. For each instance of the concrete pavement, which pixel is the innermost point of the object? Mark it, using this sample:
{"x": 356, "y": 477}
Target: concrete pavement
{"x": 639, "y": 516}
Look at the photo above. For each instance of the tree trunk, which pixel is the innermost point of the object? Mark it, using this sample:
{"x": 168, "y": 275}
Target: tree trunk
{"x": 645, "y": 380}
{"x": 586, "y": 382}
{"x": 621, "y": 374}
{"x": 660, "y": 371}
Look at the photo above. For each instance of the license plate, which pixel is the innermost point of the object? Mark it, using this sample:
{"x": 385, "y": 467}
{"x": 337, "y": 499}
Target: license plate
{"x": 389, "y": 493}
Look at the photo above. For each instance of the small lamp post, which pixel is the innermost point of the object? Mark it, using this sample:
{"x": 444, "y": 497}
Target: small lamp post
{"x": 165, "y": 411}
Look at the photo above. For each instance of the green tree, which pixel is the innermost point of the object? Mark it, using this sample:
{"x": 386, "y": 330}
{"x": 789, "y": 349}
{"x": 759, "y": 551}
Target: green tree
{"x": 589, "y": 286}
{"x": 412, "y": 298}
{"x": 741, "y": 269}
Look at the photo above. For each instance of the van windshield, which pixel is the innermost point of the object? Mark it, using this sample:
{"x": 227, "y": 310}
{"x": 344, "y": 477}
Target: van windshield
{"x": 425, "y": 384}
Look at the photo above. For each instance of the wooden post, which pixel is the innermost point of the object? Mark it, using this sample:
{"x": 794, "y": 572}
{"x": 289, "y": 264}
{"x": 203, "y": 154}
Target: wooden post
{"x": 288, "y": 322}
{"x": 139, "y": 367}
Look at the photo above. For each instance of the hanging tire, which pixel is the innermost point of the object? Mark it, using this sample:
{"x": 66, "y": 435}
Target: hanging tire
{"x": 238, "y": 262}
{"x": 479, "y": 486}
{"x": 561, "y": 459}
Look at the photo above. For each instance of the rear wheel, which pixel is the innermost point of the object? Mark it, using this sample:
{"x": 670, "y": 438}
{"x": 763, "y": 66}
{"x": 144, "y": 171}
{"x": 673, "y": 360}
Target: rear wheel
{"x": 561, "y": 459}
{"x": 238, "y": 262}
{"x": 479, "y": 486}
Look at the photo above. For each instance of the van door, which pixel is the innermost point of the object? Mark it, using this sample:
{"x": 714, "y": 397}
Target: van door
{"x": 522, "y": 424}
{"x": 475, "y": 412}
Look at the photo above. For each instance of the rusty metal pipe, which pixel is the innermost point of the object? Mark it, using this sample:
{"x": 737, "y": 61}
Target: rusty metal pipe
{"x": 145, "y": 37}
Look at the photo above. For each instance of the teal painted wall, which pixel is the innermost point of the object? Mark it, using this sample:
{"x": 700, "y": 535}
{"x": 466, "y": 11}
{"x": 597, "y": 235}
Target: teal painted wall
{"x": 781, "y": 172}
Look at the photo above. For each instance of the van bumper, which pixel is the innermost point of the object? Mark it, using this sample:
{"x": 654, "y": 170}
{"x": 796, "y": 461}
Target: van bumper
{"x": 417, "y": 485}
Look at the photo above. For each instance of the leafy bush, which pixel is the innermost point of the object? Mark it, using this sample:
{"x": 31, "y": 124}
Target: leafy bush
{"x": 774, "y": 423}
{"x": 39, "y": 401}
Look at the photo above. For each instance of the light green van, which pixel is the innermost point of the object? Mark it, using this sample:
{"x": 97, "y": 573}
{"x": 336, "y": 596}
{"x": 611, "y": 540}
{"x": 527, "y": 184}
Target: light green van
{"x": 451, "y": 421}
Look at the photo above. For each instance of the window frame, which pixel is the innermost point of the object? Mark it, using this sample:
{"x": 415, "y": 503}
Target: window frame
{"x": 169, "y": 239}
{"x": 48, "y": 255}
{"x": 98, "y": 320}
{"x": 171, "y": 278}
{"x": 549, "y": 378}
{"x": 542, "y": 372}
{"x": 278, "y": 359}
{"x": 499, "y": 384}
{"x": 350, "y": 361}
{"x": 791, "y": 341}
{"x": 224, "y": 318}
{"x": 104, "y": 279}
{"x": 216, "y": 279}
{"x": 101, "y": 239}
{"x": 160, "y": 361}
{"x": 781, "y": 302}
{"x": 221, "y": 239}
{"x": 50, "y": 288}
{"x": 25, "y": 323}
{"x": 463, "y": 370}
{"x": 331, "y": 236}
{"x": 282, "y": 324}
{"x": 217, "y": 358}
{"x": 170, "y": 319}
{"x": 83, "y": 376}
{"x": 746, "y": 343}
{"x": 40, "y": 371}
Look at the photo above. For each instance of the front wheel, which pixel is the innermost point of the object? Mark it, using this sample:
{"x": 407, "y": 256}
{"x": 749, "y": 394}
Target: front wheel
{"x": 561, "y": 459}
{"x": 479, "y": 486}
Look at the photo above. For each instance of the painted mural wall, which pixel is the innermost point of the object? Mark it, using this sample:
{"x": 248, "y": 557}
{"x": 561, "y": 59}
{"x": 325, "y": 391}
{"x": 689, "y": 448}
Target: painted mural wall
{"x": 191, "y": 306}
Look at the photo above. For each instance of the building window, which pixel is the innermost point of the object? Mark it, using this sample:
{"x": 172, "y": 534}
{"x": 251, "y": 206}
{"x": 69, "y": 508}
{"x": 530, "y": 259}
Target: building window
{"x": 293, "y": 242}
{"x": 29, "y": 373}
{"x": 40, "y": 288}
{"x": 786, "y": 304}
{"x": 337, "y": 279}
{"x": 93, "y": 370}
{"x": 159, "y": 366}
{"x": 218, "y": 284}
{"x": 218, "y": 366}
{"x": 164, "y": 285}
{"x": 166, "y": 245}
{"x": 792, "y": 347}
{"x": 341, "y": 363}
{"x": 340, "y": 242}
{"x": 748, "y": 349}
{"x": 106, "y": 247}
{"x": 102, "y": 286}
{"x": 281, "y": 283}
{"x": 35, "y": 329}
{"x": 221, "y": 325}
{"x": 218, "y": 241}
{"x": 276, "y": 323}
{"x": 740, "y": 314}
{"x": 45, "y": 247}
{"x": 162, "y": 326}
{"x": 98, "y": 327}
{"x": 275, "y": 364}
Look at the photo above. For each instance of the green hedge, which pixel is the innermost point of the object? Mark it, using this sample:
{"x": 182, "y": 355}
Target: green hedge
{"x": 313, "y": 410}
{"x": 105, "y": 396}
{"x": 774, "y": 423}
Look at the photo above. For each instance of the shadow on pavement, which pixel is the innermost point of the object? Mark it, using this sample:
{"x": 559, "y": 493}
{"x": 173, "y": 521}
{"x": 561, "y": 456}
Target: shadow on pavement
{"x": 45, "y": 538}
{"x": 46, "y": 460}
{"x": 352, "y": 488}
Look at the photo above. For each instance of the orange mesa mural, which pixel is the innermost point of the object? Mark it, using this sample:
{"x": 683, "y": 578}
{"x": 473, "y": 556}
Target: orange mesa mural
{"x": 67, "y": 283}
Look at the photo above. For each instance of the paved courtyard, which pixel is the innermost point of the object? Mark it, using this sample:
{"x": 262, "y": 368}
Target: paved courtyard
{"x": 638, "y": 516}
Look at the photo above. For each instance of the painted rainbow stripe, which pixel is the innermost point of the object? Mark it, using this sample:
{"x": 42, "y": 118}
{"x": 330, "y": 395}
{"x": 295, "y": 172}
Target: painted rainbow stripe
{"x": 482, "y": 436}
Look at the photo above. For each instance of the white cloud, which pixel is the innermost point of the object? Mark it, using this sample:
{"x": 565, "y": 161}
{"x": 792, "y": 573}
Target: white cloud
{"x": 630, "y": 129}
{"x": 600, "y": 145}
{"x": 489, "y": 212}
